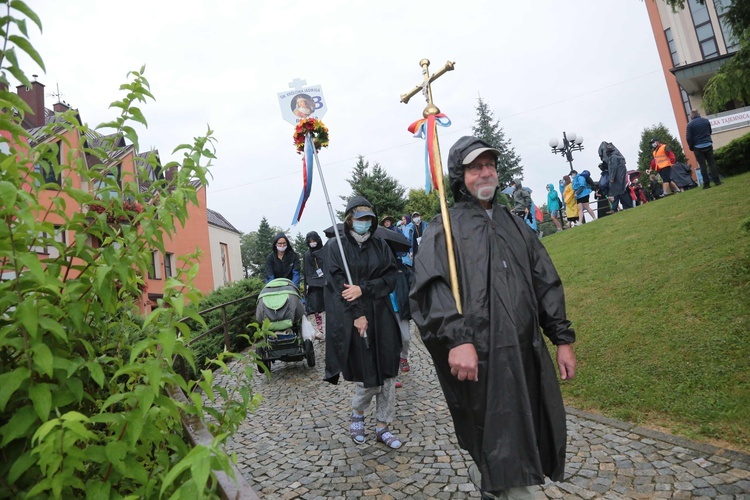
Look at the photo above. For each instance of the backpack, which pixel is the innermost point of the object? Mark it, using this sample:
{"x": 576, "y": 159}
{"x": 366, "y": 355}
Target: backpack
{"x": 591, "y": 183}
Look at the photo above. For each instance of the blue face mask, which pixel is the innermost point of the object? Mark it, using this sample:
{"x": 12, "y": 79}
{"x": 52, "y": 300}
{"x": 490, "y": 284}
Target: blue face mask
{"x": 361, "y": 226}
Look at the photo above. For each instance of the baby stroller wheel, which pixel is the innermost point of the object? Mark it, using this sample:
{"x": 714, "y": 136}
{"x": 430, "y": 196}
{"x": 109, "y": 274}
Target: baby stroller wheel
{"x": 264, "y": 366}
{"x": 309, "y": 353}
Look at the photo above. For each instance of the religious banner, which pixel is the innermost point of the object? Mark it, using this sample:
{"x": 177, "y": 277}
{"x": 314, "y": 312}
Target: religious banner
{"x": 301, "y": 102}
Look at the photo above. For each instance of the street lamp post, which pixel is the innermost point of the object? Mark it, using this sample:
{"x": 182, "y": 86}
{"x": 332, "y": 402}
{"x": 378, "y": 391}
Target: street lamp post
{"x": 570, "y": 142}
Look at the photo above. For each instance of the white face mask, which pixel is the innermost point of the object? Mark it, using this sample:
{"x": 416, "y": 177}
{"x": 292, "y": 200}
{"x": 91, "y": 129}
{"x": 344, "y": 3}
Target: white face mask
{"x": 281, "y": 248}
{"x": 416, "y": 220}
{"x": 313, "y": 244}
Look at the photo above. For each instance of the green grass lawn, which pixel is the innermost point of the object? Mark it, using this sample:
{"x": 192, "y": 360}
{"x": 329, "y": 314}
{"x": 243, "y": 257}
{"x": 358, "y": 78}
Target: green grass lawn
{"x": 660, "y": 299}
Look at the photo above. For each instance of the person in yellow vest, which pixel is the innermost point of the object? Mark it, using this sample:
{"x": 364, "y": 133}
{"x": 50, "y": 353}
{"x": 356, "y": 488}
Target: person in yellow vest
{"x": 663, "y": 160}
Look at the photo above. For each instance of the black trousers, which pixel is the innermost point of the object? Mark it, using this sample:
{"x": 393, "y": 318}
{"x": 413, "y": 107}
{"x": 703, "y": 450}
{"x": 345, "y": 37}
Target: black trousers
{"x": 706, "y": 156}
{"x": 624, "y": 199}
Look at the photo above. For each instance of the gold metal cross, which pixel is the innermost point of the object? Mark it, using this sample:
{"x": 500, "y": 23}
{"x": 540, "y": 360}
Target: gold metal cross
{"x": 431, "y": 109}
{"x": 425, "y": 88}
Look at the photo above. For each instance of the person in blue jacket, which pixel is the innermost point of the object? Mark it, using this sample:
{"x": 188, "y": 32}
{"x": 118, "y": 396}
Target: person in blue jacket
{"x": 283, "y": 261}
{"x": 698, "y": 135}
{"x": 583, "y": 193}
{"x": 554, "y": 206}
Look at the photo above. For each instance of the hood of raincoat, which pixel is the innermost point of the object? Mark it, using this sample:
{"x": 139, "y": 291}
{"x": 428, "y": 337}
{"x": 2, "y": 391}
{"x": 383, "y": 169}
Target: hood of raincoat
{"x": 361, "y": 201}
{"x": 551, "y": 187}
{"x": 289, "y": 247}
{"x": 312, "y": 235}
{"x": 607, "y": 149}
{"x": 459, "y": 151}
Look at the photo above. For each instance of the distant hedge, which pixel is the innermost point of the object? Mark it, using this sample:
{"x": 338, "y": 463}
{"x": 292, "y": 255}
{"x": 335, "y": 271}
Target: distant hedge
{"x": 209, "y": 346}
{"x": 734, "y": 158}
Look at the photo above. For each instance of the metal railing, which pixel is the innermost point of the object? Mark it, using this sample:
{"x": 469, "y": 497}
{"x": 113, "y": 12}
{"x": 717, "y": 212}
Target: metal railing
{"x": 196, "y": 432}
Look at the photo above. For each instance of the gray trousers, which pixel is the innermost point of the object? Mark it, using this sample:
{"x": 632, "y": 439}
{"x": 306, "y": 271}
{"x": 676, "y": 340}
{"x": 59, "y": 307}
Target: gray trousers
{"x": 405, "y": 326}
{"x": 385, "y": 400}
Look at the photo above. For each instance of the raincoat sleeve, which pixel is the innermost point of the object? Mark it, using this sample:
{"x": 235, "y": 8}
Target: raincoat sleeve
{"x": 269, "y": 268}
{"x": 549, "y": 295}
{"x": 433, "y": 308}
{"x": 296, "y": 270}
{"x": 384, "y": 284}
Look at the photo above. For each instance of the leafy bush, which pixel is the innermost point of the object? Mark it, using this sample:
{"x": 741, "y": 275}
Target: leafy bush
{"x": 208, "y": 347}
{"x": 84, "y": 410}
{"x": 734, "y": 158}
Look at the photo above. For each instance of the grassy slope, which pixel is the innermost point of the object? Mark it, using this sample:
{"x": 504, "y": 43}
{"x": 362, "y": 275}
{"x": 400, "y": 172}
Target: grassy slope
{"x": 660, "y": 299}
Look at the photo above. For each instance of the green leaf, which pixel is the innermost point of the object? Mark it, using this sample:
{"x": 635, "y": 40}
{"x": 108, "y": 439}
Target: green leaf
{"x": 26, "y": 312}
{"x": 167, "y": 340}
{"x": 53, "y": 327}
{"x": 10, "y": 382}
{"x": 96, "y": 372}
{"x": 25, "y": 10}
{"x": 8, "y": 193}
{"x": 97, "y": 489}
{"x": 20, "y": 466}
{"x": 116, "y": 451}
{"x": 18, "y": 425}
{"x": 200, "y": 471}
{"x": 26, "y": 46}
{"x": 43, "y": 358}
{"x": 41, "y": 396}
{"x": 195, "y": 454}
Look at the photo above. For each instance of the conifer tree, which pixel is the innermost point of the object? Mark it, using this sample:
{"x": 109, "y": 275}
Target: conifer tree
{"x": 660, "y": 132}
{"x": 489, "y": 130}
{"x": 384, "y": 192}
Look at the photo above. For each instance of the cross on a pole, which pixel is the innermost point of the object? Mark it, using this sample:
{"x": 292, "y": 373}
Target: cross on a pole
{"x": 297, "y": 83}
{"x": 425, "y": 87}
{"x": 430, "y": 112}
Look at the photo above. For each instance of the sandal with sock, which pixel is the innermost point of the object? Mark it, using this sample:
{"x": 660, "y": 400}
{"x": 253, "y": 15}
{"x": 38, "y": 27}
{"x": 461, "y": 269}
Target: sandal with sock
{"x": 357, "y": 428}
{"x": 384, "y": 435}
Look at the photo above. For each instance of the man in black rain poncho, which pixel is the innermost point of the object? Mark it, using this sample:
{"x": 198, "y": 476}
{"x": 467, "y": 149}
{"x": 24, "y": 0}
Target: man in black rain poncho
{"x": 492, "y": 361}
{"x": 364, "y": 307}
{"x": 618, "y": 184}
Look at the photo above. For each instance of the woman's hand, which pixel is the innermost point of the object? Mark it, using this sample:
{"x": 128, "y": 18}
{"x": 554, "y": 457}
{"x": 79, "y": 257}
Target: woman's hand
{"x": 361, "y": 325}
{"x": 351, "y": 292}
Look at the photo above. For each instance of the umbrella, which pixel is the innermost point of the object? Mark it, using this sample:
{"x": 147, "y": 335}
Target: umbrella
{"x": 633, "y": 175}
{"x": 509, "y": 190}
{"x": 395, "y": 240}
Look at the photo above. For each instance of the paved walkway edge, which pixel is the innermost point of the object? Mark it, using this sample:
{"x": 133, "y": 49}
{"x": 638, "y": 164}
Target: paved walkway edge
{"x": 661, "y": 436}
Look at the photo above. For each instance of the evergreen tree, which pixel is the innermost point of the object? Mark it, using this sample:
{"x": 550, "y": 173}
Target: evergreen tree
{"x": 428, "y": 205}
{"x": 384, "y": 192}
{"x": 261, "y": 247}
{"x": 489, "y": 130}
{"x": 660, "y": 132}
{"x": 247, "y": 243}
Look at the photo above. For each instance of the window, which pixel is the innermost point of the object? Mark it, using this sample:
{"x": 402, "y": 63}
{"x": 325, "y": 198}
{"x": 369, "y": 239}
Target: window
{"x": 45, "y": 247}
{"x": 168, "y": 265}
{"x": 154, "y": 271}
{"x": 224, "y": 249}
{"x": 47, "y": 164}
{"x": 672, "y": 47}
{"x": 108, "y": 187}
{"x": 703, "y": 29}
{"x": 685, "y": 101}
{"x": 730, "y": 40}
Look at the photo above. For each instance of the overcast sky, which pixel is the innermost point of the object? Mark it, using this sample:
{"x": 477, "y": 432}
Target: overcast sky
{"x": 544, "y": 66}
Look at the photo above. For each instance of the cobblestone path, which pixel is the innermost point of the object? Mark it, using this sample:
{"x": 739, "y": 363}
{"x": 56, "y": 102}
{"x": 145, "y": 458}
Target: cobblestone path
{"x": 297, "y": 445}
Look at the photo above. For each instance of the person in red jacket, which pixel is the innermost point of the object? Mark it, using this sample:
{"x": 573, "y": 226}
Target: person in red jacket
{"x": 663, "y": 160}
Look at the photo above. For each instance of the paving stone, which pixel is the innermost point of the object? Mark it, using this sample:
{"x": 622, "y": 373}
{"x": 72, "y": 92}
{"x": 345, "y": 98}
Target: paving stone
{"x": 296, "y": 445}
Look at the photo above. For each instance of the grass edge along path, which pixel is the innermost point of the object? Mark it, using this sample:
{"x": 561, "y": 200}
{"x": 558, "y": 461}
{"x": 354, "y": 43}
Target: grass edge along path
{"x": 659, "y": 297}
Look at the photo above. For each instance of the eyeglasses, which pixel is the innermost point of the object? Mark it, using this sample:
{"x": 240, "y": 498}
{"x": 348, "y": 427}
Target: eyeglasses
{"x": 476, "y": 167}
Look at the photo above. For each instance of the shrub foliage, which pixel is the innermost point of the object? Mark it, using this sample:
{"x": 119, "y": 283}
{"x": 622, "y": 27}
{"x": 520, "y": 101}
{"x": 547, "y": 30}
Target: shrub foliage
{"x": 84, "y": 410}
{"x": 734, "y": 158}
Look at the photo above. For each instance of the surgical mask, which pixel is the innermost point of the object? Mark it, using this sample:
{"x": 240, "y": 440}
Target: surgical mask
{"x": 313, "y": 244}
{"x": 281, "y": 248}
{"x": 361, "y": 226}
{"x": 416, "y": 220}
